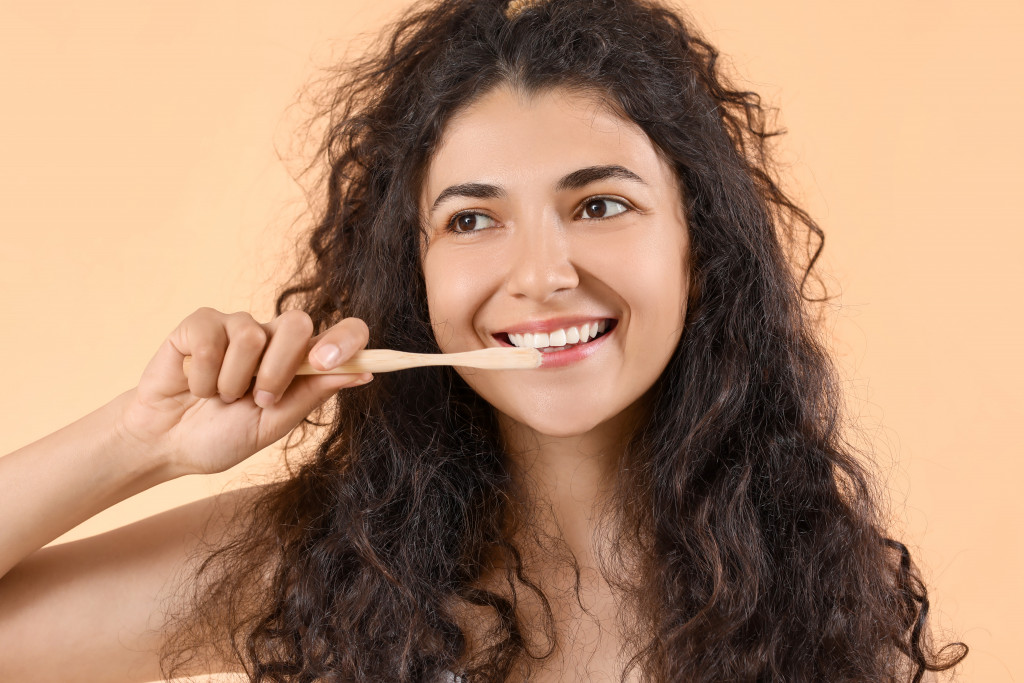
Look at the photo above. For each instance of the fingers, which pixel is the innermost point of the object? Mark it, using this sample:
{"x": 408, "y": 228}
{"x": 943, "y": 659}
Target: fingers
{"x": 338, "y": 344}
{"x": 203, "y": 336}
{"x": 330, "y": 349}
{"x": 246, "y": 341}
{"x": 229, "y": 350}
{"x": 289, "y": 335}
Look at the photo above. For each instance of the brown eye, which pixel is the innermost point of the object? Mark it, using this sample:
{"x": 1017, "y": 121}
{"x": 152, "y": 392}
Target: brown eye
{"x": 470, "y": 222}
{"x": 602, "y": 207}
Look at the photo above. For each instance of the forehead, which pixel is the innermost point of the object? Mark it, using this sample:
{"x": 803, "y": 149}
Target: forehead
{"x": 513, "y": 138}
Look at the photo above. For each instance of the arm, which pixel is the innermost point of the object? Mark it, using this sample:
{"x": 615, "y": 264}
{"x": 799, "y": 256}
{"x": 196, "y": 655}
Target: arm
{"x": 94, "y": 610}
{"x": 58, "y": 482}
{"x": 101, "y": 601}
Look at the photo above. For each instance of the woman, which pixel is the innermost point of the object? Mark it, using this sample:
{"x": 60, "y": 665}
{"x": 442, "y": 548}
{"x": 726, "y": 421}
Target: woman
{"x": 667, "y": 498}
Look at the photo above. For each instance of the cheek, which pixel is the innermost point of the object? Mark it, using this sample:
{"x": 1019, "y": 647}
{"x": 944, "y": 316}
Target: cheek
{"x": 648, "y": 270}
{"x": 657, "y": 295}
{"x": 665, "y": 279}
{"x": 455, "y": 292}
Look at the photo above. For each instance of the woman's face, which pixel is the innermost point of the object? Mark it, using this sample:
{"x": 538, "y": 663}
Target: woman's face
{"x": 550, "y": 218}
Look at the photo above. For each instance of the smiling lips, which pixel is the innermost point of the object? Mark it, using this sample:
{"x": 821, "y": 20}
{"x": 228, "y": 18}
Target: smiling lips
{"x": 558, "y": 339}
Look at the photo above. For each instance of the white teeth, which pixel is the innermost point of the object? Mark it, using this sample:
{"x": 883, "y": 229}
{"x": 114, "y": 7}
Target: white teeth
{"x": 559, "y": 338}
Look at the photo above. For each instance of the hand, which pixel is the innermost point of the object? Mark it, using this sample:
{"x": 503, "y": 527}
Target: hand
{"x": 218, "y": 415}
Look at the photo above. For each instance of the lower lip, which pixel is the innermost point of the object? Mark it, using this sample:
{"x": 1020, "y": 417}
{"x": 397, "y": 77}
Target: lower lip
{"x": 558, "y": 359}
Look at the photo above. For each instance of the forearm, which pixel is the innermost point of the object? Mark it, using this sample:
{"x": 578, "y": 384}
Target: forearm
{"x": 54, "y": 484}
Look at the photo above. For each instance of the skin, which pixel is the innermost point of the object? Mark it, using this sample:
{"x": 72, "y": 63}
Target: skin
{"x": 92, "y": 610}
{"x": 538, "y": 253}
{"x": 536, "y": 249}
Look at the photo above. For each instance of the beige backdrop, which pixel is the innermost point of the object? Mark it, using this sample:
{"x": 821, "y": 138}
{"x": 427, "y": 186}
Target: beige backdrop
{"x": 139, "y": 181}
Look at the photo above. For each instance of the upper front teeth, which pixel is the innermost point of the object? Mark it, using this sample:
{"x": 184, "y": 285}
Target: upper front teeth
{"x": 568, "y": 335}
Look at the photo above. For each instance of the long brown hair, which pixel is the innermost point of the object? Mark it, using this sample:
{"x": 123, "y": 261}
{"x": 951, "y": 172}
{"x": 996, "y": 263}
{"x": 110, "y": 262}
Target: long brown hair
{"x": 755, "y": 545}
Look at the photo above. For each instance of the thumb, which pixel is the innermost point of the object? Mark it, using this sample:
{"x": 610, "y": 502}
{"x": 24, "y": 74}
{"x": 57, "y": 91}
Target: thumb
{"x": 303, "y": 396}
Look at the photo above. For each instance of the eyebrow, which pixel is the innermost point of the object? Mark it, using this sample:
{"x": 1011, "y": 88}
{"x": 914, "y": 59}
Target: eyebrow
{"x": 572, "y": 181}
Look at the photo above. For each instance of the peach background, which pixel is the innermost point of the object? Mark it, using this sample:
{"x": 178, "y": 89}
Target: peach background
{"x": 139, "y": 180}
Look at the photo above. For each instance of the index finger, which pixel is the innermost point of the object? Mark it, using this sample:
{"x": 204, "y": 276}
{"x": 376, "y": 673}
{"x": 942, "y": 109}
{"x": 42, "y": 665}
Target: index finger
{"x": 338, "y": 343}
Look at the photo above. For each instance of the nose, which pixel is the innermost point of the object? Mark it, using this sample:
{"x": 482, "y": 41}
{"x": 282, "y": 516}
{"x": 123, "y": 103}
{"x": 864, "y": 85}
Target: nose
{"x": 541, "y": 263}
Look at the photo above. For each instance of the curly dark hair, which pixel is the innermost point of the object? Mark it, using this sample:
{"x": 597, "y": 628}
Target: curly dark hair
{"x": 752, "y": 533}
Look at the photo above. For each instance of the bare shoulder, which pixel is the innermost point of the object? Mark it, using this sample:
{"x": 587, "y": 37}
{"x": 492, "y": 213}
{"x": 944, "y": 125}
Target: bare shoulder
{"x": 93, "y": 609}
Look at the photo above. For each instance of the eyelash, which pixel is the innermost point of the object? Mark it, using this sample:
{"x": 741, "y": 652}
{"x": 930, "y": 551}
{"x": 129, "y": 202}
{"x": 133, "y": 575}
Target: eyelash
{"x": 580, "y": 209}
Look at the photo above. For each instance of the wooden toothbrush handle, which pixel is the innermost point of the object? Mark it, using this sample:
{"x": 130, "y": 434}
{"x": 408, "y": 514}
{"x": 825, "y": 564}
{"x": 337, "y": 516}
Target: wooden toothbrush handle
{"x": 387, "y": 360}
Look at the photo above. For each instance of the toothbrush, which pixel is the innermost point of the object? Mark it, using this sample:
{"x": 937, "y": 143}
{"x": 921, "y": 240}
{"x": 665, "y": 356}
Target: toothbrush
{"x": 386, "y": 360}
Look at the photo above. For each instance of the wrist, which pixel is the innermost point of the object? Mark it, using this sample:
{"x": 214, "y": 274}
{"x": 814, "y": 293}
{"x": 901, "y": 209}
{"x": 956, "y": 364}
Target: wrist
{"x": 145, "y": 461}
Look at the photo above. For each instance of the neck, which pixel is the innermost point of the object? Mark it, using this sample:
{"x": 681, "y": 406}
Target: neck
{"x": 565, "y": 480}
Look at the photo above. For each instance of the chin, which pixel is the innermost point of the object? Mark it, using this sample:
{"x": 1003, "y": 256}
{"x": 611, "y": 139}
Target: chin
{"x": 566, "y": 423}
{"x": 604, "y": 411}
{"x": 557, "y": 429}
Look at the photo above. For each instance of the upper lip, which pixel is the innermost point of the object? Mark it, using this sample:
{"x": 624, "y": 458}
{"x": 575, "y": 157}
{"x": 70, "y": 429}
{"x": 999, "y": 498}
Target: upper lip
{"x": 551, "y": 324}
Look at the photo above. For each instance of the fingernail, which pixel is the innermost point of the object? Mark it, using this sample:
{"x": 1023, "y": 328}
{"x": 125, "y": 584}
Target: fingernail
{"x": 227, "y": 399}
{"x": 364, "y": 379}
{"x": 327, "y": 355}
{"x": 264, "y": 399}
